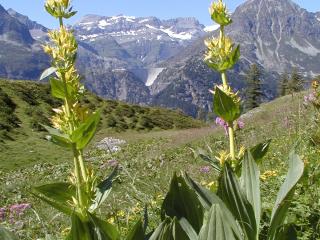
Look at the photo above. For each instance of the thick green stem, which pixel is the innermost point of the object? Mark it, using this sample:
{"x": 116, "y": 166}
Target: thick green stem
{"x": 77, "y": 174}
{"x": 232, "y": 142}
{"x": 224, "y": 80}
{"x": 82, "y": 166}
{"x": 61, "y": 21}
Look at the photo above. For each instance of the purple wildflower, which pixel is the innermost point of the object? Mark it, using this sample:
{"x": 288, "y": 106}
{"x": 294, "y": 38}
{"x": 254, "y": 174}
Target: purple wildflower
{"x": 112, "y": 163}
{"x": 222, "y": 123}
{"x": 240, "y": 124}
{"x": 309, "y": 98}
{"x": 205, "y": 169}
{"x": 3, "y": 212}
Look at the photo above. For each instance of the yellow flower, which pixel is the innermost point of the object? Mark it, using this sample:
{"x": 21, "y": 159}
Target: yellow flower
{"x": 111, "y": 220}
{"x": 218, "y": 51}
{"x": 121, "y": 213}
{"x": 315, "y": 84}
{"x": 268, "y": 174}
{"x": 219, "y": 13}
{"x": 222, "y": 157}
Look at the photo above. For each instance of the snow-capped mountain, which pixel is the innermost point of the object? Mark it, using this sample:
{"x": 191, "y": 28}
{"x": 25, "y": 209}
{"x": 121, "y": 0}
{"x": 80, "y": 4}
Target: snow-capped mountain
{"x": 275, "y": 34}
{"x": 160, "y": 62}
{"x": 147, "y": 40}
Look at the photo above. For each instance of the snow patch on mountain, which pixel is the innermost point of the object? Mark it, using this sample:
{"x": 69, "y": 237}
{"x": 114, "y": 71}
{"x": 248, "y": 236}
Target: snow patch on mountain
{"x": 211, "y": 28}
{"x": 308, "y": 48}
{"x": 153, "y": 73}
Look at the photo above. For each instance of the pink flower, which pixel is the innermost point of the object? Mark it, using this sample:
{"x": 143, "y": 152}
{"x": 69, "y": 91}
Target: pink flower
{"x": 222, "y": 123}
{"x": 240, "y": 124}
{"x": 205, "y": 169}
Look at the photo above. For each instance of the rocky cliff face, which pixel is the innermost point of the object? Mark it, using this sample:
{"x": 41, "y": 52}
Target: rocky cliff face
{"x": 21, "y": 56}
{"x": 275, "y": 34}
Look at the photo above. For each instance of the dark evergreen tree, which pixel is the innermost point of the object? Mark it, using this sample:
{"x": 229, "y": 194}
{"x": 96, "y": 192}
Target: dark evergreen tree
{"x": 296, "y": 81}
{"x": 283, "y": 86}
{"x": 254, "y": 88}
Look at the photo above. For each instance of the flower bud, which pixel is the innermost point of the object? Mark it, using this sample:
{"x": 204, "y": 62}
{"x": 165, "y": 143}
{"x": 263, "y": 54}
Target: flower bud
{"x": 219, "y": 13}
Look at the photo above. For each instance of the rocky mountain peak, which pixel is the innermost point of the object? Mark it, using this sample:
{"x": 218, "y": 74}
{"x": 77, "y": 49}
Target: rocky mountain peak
{"x": 11, "y": 30}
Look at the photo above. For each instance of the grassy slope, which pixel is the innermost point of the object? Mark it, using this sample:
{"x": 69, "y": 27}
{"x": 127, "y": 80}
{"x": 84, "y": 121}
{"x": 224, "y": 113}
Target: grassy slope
{"x": 149, "y": 160}
{"x": 22, "y": 142}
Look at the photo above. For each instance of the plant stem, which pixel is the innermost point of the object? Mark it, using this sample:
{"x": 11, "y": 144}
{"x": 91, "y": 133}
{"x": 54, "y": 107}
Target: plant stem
{"x": 224, "y": 80}
{"x": 82, "y": 166}
{"x": 77, "y": 173}
{"x": 79, "y": 167}
{"x": 226, "y": 86}
{"x": 232, "y": 141}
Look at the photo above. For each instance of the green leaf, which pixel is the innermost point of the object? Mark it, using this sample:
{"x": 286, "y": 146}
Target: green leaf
{"x": 103, "y": 230}
{"x": 70, "y": 14}
{"x": 79, "y": 230}
{"x": 46, "y": 73}
{"x": 163, "y": 231}
{"x": 57, "y": 88}
{"x": 202, "y": 154}
{"x": 83, "y": 134}
{"x": 57, "y": 195}
{"x": 225, "y": 107}
{"x": 235, "y": 199}
{"x": 169, "y": 229}
{"x": 93, "y": 229}
{"x": 58, "y": 138}
{"x": 188, "y": 229}
{"x": 250, "y": 183}
{"x": 218, "y": 226}
{"x": 280, "y": 209}
{"x": 103, "y": 190}
{"x": 182, "y": 202}
{"x": 137, "y": 232}
{"x": 208, "y": 198}
{"x": 6, "y": 235}
{"x": 260, "y": 150}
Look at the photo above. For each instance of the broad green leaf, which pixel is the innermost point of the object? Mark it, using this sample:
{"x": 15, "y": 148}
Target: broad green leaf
{"x": 260, "y": 150}
{"x": 83, "y": 134}
{"x": 48, "y": 72}
{"x": 250, "y": 183}
{"x": 57, "y": 88}
{"x": 280, "y": 209}
{"x": 80, "y": 230}
{"x": 182, "y": 202}
{"x": 208, "y": 198}
{"x": 103, "y": 190}
{"x": 103, "y": 230}
{"x": 137, "y": 232}
{"x": 163, "y": 231}
{"x": 57, "y": 195}
{"x": 188, "y": 229}
{"x": 225, "y": 107}
{"x": 58, "y": 137}
{"x": 217, "y": 226}
{"x": 202, "y": 154}
{"x": 169, "y": 229}
{"x": 6, "y": 235}
{"x": 235, "y": 199}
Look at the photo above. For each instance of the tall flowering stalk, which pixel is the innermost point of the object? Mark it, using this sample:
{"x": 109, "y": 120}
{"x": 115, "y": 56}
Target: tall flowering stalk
{"x": 74, "y": 127}
{"x": 222, "y": 55}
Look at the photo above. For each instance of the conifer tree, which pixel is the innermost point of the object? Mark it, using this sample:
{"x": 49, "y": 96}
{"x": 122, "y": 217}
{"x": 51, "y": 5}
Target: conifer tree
{"x": 296, "y": 81}
{"x": 283, "y": 86}
{"x": 254, "y": 88}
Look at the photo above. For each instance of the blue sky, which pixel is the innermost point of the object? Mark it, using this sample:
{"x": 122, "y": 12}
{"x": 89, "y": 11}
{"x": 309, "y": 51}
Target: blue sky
{"x": 163, "y": 9}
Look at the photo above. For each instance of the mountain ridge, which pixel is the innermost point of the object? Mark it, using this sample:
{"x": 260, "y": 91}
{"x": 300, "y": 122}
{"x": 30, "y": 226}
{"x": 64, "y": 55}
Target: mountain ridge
{"x": 150, "y": 61}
